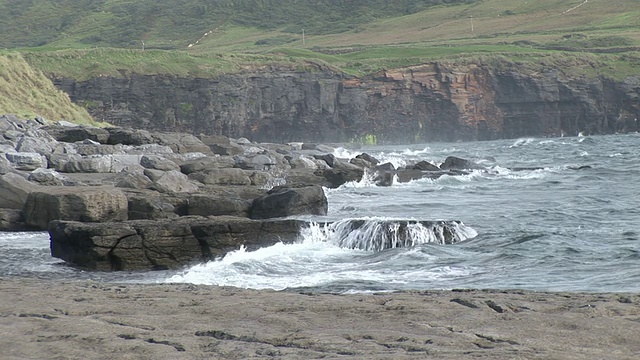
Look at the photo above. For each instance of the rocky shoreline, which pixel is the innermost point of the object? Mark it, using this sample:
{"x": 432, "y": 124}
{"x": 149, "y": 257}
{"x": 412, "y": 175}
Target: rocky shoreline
{"x": 127, "y": 199}
{"x": 40, "y": 319}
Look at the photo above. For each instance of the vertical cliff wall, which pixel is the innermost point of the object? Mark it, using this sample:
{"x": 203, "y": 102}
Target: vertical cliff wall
{"x": 431, "y": 102}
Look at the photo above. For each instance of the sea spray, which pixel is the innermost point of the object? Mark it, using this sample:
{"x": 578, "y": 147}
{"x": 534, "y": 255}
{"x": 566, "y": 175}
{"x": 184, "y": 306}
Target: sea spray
{"x": 381, "y": 234}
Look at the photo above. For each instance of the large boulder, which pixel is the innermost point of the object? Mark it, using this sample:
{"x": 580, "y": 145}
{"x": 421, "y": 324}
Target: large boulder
{"x": 287, "y": 201}
{"x": 150, "y": 149}
{"x": 301, "y": 177}
{"x": 256, "y": 162}
{"x": 425, "y": 166}
{"x": 133, "y": 137}
{"x": 59, "y": 161}
{"x": 341, "y": 172}
{"x": 97, "y": 163}
{"x": 368, "y": 158}
{"x": 222, "y": 177}
{"x": 12, "y": 220}
{"x": 207, "y": 163}
{"x": 148, "y": 244}
{"x": 132, "y": 180}
{"x": 14, "y": 190}
{"x": 10, "y": 122}
{"x": 171, "y": 181}
{"x": 408, "y": 175}
{"x": 26, "y": 160}
{"x": 151, "y": 205}
{"x": 36, "y": 141}
{"x": 47, "y": 177}
{"x": 88, "y": 164}
{"x": 72, "y": 134}
{"x": 456, "y": 163}
{"x": 89, "y": 148}
{"x": 88, "y": 204}
{"x": 181, "y": 143}
{"x": 5, "y": 165}
{"x": 158, "y": 163}
{"x": 384, "y": 174}
{"x": 221, "y": 145}
{"x": 303, "y": 162}
{"x": 218, "y": 205}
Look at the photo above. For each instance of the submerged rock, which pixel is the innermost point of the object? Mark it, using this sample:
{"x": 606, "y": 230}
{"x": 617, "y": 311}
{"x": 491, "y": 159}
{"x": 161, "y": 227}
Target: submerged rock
{"x": 456, "y": 163}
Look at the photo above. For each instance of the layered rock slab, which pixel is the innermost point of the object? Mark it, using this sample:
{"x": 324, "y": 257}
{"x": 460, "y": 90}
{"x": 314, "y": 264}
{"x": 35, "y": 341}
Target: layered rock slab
{"x": 89, "y": 204}
{"x": 150, "y": 244}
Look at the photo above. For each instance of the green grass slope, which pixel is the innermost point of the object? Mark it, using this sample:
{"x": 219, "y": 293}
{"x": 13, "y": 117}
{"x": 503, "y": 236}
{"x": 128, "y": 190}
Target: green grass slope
{"x": 175, "y": 24}
{"x": 27, "y": 92}
{"x": 85, "y": 38}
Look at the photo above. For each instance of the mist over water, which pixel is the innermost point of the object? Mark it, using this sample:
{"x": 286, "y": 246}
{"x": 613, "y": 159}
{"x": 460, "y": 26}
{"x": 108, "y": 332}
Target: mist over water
{"x": 545, "y": 214}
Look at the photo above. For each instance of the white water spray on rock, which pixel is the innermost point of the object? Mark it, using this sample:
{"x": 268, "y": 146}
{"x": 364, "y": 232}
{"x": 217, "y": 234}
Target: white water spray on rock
{"x": 381, "y": 234}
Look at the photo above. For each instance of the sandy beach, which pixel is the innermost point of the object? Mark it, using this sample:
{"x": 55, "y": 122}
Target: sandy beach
{"x": 42, "y": 319}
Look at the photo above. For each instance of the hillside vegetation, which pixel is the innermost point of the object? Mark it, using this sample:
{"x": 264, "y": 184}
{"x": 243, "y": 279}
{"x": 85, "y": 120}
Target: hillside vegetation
{"x": 359, "y": 36}
{"x": 203, "y": 38}
{"x": 27, "y": 92}
{"x": 174, "y": 24}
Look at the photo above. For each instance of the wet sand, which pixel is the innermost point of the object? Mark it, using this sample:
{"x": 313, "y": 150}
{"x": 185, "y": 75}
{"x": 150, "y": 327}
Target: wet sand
{"x": 42, "y": 319}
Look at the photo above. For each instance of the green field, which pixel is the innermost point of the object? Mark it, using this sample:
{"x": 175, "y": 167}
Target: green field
{"x": 208, "y": 37}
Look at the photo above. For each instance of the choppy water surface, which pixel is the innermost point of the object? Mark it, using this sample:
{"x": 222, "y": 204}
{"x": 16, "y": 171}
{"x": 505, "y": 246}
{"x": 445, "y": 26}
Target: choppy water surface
{"x": 569, "y": 222}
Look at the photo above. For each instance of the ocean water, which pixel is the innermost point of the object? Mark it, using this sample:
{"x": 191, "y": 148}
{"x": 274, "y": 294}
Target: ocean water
{"x": 547, "y": 214}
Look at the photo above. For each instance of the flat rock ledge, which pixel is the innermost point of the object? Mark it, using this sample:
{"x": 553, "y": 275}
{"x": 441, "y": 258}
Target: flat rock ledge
{"x": 43, "y": 319}
{"x": 159, "y": 245}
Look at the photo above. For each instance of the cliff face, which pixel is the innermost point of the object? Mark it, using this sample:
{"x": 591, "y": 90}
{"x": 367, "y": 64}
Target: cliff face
{"x": 431, "y": 102}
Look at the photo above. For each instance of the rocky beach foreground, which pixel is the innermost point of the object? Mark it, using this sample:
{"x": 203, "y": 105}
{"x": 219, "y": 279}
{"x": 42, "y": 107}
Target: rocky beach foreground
{"x": 41, "y": 319}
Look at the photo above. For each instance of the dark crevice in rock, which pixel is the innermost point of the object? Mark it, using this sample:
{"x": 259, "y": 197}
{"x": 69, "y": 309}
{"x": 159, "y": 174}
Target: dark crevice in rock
{"x": 496, "y": 340}
{"x": 175, "y": 345}
{"x": 495, "y": 307}
{"x": 464, "y": 302}
{"x": 114, "y": 260}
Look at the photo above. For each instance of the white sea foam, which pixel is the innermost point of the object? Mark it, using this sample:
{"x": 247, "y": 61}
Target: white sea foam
{"x": 522, "y": 142}
{"x": 546, "y": 142}
{"x": 276, "y": 267}
{"x": 344, "y": 153}
{"x": 377, "y": 234}
{"x": 26, "y": 252}
{"x": 325, "y": 254}
{"x": 24, "y": 240}
{"x": 397, "y": 158}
